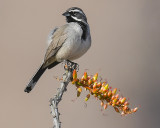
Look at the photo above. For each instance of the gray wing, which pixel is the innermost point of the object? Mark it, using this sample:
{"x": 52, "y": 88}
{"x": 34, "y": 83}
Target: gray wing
{"x": 59, "y": 35}
{"x": 50, "y": 36}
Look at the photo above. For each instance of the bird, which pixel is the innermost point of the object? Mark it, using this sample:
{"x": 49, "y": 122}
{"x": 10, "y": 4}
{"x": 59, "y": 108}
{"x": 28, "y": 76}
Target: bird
{"x": 67, "y": 42}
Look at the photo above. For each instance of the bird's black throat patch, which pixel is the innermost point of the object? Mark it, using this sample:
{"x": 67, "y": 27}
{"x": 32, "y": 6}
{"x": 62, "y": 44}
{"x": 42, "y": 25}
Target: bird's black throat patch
{"x": 84, "y": 28}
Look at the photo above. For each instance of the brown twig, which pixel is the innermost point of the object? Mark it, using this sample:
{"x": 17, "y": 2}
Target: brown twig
{"x": 67, "y": 77}
{"x": 58, "y": 97}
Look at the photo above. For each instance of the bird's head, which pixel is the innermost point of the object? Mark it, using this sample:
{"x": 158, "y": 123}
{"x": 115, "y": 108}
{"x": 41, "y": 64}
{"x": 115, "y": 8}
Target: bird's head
{"x": 75, "y": 14}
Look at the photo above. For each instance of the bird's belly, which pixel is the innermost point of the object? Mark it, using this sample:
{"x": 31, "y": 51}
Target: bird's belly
{"x": 79, "y": 52}
{"x": 72, "y": 50}
{"x": 68, "y": 49}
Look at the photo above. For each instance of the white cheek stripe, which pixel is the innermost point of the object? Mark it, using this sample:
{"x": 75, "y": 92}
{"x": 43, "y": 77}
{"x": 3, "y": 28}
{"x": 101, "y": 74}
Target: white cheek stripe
{"x": 76, "y": 18}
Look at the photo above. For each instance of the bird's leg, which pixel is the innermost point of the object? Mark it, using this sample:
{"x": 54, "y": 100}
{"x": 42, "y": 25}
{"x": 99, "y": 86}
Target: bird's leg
{"x": 71, "y": 65}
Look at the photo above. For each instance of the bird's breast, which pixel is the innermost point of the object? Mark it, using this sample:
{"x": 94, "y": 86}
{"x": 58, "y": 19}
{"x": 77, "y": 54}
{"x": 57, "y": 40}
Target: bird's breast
{"x": 73, "y": 47}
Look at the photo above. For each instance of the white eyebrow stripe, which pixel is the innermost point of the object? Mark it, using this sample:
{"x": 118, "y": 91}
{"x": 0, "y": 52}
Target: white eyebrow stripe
{"x": 76, "y": 10}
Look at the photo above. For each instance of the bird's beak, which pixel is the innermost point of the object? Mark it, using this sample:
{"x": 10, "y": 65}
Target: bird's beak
{"x": 66, "y": 14}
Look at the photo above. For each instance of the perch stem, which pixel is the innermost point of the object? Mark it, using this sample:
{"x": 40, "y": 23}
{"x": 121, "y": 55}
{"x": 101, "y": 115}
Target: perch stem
{"x": 67, "y": 76}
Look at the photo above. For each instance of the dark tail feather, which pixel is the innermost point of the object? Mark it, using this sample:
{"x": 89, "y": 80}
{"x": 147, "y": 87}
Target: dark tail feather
{"x": 53, "y": 64}
{"x": 35, "y": 78}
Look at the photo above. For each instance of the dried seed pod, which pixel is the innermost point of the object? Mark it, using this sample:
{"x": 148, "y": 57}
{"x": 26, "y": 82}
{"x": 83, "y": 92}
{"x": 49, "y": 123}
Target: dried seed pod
{"x": 95, "y": 77}
{"x": 123, "y": 100}
{"x": 74, "y": 81}
{"x": 89, "y": 77}
{"x": 105, "y": 94}
{"x": 102, "y": 103}
{"x": 110, "y": 93}
{"x": 113, "y": 104}
{"x": 125, "y": 108}
{"x": 94, "y": 90}
{"x": 113, "y": 97}
{"x": 126, "y": 103}
{"x": 78, "y": 93}
{"x": 95, "y": 85}
{"x": 79, "y": 89}
{"x": 106, "y": 86}
{"x": 74, "y": 74}
{"x": 87, "y": 97}
{"x": 85, "y": 76}
{"x": 89, "y": 82}
{"x": 105, "y": 106}
{"x": 116, "y": 109}
{"x": 114, "y": 91}
{"x": 99, "y": 84}
{"x": 117, "y": 96}
{"x": 135, "y": 109}
{"x": 115, "y": 100}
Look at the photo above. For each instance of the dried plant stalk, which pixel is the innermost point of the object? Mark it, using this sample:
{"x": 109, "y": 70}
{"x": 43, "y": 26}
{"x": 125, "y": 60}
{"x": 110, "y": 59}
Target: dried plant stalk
{"x": 67, "y": 76}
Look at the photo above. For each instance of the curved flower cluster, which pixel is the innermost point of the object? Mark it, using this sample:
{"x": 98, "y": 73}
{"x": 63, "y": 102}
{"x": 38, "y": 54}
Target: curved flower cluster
{"x": 103, "y": 92}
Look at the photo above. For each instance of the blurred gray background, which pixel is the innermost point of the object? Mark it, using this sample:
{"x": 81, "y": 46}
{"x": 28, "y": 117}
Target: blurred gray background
{"x": 125, "y": 51}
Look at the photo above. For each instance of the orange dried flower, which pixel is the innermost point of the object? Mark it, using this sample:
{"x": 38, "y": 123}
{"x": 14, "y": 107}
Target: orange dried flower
{"x": 102, "y": 92}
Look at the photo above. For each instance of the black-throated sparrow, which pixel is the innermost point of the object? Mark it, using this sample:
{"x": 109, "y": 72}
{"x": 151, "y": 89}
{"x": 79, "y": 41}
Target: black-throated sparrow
{"x": 67, "y": 42}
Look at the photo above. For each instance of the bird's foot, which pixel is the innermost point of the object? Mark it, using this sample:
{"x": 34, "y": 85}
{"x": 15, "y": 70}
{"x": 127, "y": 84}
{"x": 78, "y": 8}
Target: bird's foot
{"x": 69, "y": 65}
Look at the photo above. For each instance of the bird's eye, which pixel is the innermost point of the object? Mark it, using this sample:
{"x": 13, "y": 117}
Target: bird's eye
{"x": 74, "y": 13}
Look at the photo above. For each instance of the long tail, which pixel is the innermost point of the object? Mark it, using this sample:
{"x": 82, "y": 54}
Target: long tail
{"x": 35, "y": 78}
{"x": 38, "y": 74}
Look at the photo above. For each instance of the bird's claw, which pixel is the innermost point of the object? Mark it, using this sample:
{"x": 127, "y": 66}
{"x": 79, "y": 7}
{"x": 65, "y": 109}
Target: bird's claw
{"x": 69, "y": 65}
